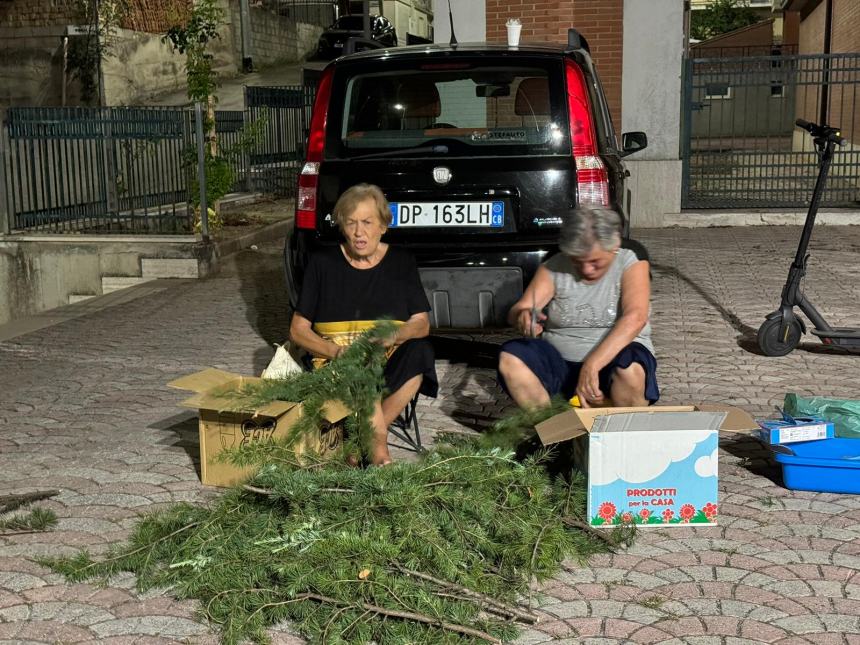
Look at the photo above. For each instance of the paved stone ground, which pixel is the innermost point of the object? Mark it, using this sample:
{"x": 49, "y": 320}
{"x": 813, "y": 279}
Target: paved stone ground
{"x": 84, "y": 408}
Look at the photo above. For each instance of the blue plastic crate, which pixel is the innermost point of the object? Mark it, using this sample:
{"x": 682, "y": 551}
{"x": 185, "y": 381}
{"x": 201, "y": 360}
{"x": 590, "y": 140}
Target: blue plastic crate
{"x": 827, "y": 466}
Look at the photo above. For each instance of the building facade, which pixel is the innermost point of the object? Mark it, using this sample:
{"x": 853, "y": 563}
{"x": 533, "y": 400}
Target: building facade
{"x": 831, "y": 27}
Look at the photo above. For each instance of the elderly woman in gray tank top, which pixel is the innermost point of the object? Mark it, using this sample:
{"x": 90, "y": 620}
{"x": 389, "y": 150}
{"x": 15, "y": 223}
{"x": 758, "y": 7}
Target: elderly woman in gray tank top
{"x": 586, "y": 318}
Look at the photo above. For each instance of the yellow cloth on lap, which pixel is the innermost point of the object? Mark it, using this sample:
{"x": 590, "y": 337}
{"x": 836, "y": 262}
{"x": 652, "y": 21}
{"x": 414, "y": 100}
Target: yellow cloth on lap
{"x": 344, "y": 333}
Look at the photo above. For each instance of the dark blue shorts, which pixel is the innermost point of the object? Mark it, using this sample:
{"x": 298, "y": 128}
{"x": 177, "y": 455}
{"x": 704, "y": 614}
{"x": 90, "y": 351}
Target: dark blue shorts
{"x": 559, "y": 376}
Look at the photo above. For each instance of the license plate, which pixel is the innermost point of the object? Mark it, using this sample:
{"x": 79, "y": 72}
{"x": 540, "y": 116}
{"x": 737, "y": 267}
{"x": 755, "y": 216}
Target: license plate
{"x": 430, "y": 214}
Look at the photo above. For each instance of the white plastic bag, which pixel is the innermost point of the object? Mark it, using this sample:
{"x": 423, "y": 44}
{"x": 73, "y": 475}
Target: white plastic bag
{"x": 282, "y": 364}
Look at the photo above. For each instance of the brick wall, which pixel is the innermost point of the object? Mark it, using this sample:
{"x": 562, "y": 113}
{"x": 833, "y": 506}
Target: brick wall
{"x": 812, "y": 31}
{"x": 811, "y": 42}
{"x": 846, "y": 27}
{"x": 547, "y": 21}
{"x": 843, "y": 104}
{"x": 37, "y": 13}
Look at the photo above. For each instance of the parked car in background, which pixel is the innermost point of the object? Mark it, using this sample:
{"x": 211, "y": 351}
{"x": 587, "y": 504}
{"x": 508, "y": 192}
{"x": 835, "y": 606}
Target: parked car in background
{"x": 333, "y": 39}
{"x": 481, "y": 149}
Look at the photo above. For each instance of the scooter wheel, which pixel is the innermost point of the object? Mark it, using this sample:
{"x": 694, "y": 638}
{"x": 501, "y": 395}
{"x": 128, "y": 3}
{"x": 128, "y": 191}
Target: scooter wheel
{"x": 775, "y": 340}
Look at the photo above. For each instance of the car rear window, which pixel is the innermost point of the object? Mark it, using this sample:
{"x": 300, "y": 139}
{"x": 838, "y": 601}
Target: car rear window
{"x": 349, "y": 22}
{"x": 471, "y": 108}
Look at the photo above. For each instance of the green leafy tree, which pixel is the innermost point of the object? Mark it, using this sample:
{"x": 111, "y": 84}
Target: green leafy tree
{"x": 193, "y": 40}
{"x": 721, "y": 17}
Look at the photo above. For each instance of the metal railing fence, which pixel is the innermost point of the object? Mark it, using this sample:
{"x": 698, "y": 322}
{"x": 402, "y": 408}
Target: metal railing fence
{"x": 311, "y": 12}
{"x": 284, "y": 113}
{"x": 97, "y": 169}
{"x": 740, "y": 147}
{"x": 131, "y": 170}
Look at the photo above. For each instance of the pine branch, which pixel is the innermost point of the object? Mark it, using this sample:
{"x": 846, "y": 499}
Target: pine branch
{"x": 485, "y": 601}
{"x": 533, "y": 558}
{"x": 151, "y": 546}
{"x": 36, "y": 521}
{"x": 11, "y": 502}
{"x": 394, "y": 613}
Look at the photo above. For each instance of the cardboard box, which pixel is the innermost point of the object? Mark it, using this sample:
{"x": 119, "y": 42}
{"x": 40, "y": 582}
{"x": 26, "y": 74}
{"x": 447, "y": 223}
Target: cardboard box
{"x": 792, "y": 430}
{"x": 228, "y": 421}
{"x": 652, "y": 466}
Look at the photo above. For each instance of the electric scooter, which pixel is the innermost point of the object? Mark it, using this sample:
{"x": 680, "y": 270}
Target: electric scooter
{"x": 781, "y": 331}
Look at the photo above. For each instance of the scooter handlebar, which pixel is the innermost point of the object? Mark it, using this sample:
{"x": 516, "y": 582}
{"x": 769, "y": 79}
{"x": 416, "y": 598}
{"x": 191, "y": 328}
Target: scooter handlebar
{"x": 823, "y": 131}
{"x": 806, "y": 125}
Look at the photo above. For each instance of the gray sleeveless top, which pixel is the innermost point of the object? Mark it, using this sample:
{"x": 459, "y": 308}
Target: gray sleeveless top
{"x": 580, "y": 315}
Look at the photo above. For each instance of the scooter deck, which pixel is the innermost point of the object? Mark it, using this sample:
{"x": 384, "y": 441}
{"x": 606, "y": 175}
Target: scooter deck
{"x": 842, "y": 336}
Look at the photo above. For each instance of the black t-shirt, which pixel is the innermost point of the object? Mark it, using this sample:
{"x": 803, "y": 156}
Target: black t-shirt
{"x": 335, "y": 291}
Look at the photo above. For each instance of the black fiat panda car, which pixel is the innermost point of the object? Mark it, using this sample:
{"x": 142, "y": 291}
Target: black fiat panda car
{"x": 479, "y": 148}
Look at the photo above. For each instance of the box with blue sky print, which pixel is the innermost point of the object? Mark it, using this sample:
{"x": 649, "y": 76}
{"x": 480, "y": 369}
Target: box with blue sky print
{"x": 653, "y": 466}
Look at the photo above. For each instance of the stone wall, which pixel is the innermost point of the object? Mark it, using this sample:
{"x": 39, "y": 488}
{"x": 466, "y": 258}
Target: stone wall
{"x": 276, "y": 39}
{"x": 141, "y": 66}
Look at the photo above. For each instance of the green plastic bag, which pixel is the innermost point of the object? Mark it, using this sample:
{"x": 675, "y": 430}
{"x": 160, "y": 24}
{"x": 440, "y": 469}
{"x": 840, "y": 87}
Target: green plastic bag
{"x": 845, "y": 414}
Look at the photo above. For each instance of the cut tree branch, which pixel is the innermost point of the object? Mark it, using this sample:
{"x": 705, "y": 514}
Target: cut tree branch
{"x": 268, "y": 492}
{"x": 406, "y": 615}
{"x": 579, "y": 524}
{"x": 11, "y": 502}
{"x": 487, "y": 602}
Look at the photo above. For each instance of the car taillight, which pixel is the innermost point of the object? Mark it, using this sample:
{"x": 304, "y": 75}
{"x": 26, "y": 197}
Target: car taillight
{"x": 306, "y": 195}
{"x": 591, "y": 176}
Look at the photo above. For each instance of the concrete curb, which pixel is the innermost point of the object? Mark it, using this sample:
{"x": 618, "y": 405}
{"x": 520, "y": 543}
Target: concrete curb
{"x": 225, "y": 248}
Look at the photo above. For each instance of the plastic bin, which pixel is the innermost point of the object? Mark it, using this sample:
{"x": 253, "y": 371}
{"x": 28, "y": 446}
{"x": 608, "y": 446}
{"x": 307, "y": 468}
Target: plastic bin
{"x": 827, "y": 466}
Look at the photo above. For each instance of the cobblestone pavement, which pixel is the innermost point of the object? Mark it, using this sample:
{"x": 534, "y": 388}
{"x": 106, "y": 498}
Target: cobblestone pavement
{"x": 84, "y": 408}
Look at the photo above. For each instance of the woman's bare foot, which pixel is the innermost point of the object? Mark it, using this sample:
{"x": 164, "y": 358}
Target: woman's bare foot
{"x": 380, "y": 455}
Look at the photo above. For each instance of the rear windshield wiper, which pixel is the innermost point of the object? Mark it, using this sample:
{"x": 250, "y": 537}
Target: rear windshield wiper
{"x": 437, "y": 149}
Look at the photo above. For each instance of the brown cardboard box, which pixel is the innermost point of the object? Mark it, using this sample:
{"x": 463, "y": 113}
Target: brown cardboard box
{"x": 228, "y": 421}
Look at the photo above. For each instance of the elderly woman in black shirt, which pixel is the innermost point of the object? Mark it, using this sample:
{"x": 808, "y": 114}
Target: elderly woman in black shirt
{"x": 348, "y": 287}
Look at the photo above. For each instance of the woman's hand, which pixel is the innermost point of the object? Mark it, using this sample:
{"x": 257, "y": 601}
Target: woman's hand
{"x": 524, "y": 322}
{"x": 386, "y": 341}
{"x": 588, "y": 387}
{"x": 537, "y": 296}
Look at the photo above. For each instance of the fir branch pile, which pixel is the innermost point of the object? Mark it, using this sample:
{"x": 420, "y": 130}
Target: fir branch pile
{"x": 443, "y": 550}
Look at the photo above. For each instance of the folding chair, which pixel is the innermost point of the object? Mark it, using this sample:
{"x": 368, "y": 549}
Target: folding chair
{"x": 405, "y": 427}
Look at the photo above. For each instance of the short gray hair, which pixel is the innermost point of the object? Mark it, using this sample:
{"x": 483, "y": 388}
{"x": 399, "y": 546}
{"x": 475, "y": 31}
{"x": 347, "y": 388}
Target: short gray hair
{"x": 355, "y": 195}
{"x": 586, "y": 226}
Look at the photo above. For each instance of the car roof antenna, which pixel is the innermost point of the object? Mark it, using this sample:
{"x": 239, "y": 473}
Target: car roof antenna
{"x": 453, "y": 40}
